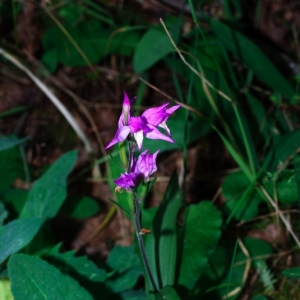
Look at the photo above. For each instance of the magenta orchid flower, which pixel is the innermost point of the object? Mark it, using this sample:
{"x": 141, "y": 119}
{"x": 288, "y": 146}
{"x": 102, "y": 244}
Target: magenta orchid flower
{"x": 145, "y": 165}
{"x": 145, "y": 125}
{"x": 142, "y": 168}
{"x": 127, "y": 181}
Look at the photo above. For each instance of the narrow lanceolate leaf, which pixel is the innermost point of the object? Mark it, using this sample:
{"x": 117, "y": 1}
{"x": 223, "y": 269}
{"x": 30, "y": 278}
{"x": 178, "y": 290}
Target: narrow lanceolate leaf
{"x": 165, "y": 233}
{"x": 293, "y": 273}
{"x": 200, "y": 236}
{"x": 7, "y": 142}
{"x": 49, "y": 192}
{"x": 33, "y": 278}
{"x": 16, "y": 235}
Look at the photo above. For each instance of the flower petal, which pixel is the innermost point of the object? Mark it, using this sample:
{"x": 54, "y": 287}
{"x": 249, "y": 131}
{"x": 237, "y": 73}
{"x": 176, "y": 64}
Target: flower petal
{"x": 156, "y": 115}
{"x": 138, "y": 136}
{"x": 125, "y": 115}
{"x": 155, "y": 134}
{"x": 172, "y": 109}
{"x": 120, "y": 136}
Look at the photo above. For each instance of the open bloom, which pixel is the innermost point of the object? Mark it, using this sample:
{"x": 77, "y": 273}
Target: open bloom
{"x": 145, "y": 125}
{"x": 145, "y": 165}
{"x": 142, "y": 168}
{"x": 127, "y": 181}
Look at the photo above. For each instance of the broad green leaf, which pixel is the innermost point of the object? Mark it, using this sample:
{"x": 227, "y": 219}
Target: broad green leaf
{"x": 126, "y": 268}
{"x": 7, "y": 142}
{"x": 285, "y": 186}
{"x": 80, "y": 207}
{"x": 253, "y": 56}
{"x": 165, "y": 233}
{"x": 49, "y": 192}
{"x": 5, "y": 293}
{"x": 80, "y": 264}
{"x": 257, "y": 247}
{"x": 201, "y": 232}
{"x": 167, "y": 293}
{"x": 152, "y": 47}
{"x": 33, "y": 278}
{"x": 16, "y": 235}
{"x": 293, "y": 273}
{"x": 240, "y": 206}
{"x": 93, "y": 43}
{"x": 285, "y": 146}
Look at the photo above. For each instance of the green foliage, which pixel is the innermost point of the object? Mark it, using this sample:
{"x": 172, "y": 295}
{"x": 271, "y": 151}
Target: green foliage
{"x": 33, "y": 278}
{"x": 253, "y": 56}
{"x": 293, "y": 273}
{"x": 153, "y": 46}
{"x": 242, "y": 201}
{"x": 202, "y": 232}
{"x": 16, "y": 235}
{"x": 266, "y": 275}
{"x": 79, "y": 207}
{"x": 48, "y": 193}
{"x": 71, "y": 263}
{"x": 125, "y": 269}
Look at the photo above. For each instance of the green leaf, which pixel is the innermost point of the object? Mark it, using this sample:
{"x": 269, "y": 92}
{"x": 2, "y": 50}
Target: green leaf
{"x": 80, "y": 207}
{"x": 293, "y": 273}
{"x": 93, "y": 42}
{"x": 253, "y": 56}
{"x": 167, "y": 293}
{"x": 165, "y": 233}
{"x": 16, "y": 235}
{"x": 241, "y": 206}
{"x": 284, "y": 147}
{"x": 48, "y": 193}
{"x": 33, "y": 278}
{"x": 201, "y": 232}
{"x": 285, "y": 185}
{"x": 152, "y": 47}
{"x": 126, "y": 267}
{"x": 7, "y": 142}
{"x": 80, "y": 264}
{"x": 124, "y": 198}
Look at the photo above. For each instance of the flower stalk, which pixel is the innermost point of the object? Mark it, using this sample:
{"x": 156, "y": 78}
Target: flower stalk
{"x": 137, "y": 223}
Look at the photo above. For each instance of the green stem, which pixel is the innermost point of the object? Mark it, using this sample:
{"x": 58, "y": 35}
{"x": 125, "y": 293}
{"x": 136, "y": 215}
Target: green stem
{"x": 139, "y": 236}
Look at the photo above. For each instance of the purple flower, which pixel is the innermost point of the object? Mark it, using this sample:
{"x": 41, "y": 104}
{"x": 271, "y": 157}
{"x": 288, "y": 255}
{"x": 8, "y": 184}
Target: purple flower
{"x": 144, "y": 125}
{"x": 158, "y": 116}
{"x": 145, "y": 165}
{"x": 127, "y": 181}
{"x": 142, "y": 168}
